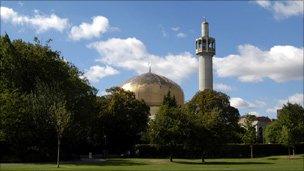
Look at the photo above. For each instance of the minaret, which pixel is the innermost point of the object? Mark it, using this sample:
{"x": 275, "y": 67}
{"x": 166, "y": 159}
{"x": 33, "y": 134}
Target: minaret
{"x": 205, "y": 50}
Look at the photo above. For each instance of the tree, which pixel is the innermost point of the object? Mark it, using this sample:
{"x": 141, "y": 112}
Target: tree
{"x": 249, "y": 136}
{"x": 291, "y": 119}
{"x": 169, "y": 100}
{"x": 61, "y": 117}
{"x": 215, "y": 121}
{"x": 200, "y": 138}
{"x": 16, "y": 123}
{"x": 272, "y": 132}
{"x": 287, "y": 138}
{"x": 170, "y": 126}
{"x": 123, "y": 119}
{"x": 51, "y": 100}
{"x": 30, "y": 135}
{"x": 288, "y": 129}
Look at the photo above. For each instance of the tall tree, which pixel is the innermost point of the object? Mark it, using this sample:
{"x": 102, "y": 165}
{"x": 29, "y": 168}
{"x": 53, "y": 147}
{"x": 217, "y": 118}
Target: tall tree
{"x": 287, "y": 138}
{"x": 17, "y": 124}
{"x": 61, "y": 117}
{"x": 250, "y": 134}
{"x": 23, "y": 66}
{"x": 170, "y": 126}
{"x": 288, "y": 129}
{"x": 123, "y": 118}
{"x": 272, "y": 132}
{"x": 215, "y": 120}
{"x": 51, "y": 100}
{"x": 291, "y": 118}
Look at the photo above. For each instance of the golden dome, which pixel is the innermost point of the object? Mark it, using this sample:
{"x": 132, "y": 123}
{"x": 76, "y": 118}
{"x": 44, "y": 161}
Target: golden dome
{"x": 152, "y": 88}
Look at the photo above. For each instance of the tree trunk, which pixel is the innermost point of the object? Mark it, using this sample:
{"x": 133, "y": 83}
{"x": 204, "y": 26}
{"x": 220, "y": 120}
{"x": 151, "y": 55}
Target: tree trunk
{"x": 58, "y": 150}
{"x": 171, "y": 158}
{"x": 293, "y": 151}
{"x": 251, "y": 151}
{"x": 288, "y": 152}
{"x": 203, "y": 159}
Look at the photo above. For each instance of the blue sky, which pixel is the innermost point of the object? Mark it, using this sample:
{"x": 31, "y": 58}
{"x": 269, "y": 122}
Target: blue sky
{"x": 259, "y": 45}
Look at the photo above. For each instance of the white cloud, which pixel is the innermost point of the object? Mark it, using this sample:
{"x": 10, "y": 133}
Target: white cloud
{"x": 175, "y": 28}
{"x": 238, "y": 102}
{"x": 99, "y": 25}
{"x": 181, "y": 35}
{"x": 259, "y": 103}
{"x": 254, "y": 113}
{"x": 95, "y": 73}
{"x": 40, "y": 22}
{"x": 131, "y": 54}
{"x": 264, "y": 3}
{"x": 222, "y": 87}
{"x": 280, "y": 63}
{"x": 296, "y": 98}
{"x": 114, "y": 29}
{"x": 283, "y": 9}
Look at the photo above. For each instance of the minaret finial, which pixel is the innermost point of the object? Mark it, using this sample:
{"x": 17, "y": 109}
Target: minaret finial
{"x": 205, "y": 27}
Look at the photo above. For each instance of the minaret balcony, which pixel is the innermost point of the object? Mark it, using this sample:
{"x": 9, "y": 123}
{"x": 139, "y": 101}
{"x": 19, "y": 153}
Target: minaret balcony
{"x": 205, "y": 45}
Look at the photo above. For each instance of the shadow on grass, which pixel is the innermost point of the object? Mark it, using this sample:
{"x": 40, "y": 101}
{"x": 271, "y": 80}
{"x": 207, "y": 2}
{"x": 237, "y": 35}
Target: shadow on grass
{"x": 222, "y": 163}
{"x": 108, "y": 162}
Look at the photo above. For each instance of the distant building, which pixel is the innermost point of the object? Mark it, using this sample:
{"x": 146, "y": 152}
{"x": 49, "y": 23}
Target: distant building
{"x": 260, "y": 123}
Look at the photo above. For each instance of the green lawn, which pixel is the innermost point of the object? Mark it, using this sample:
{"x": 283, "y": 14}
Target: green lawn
{"x": 277, "y": 163}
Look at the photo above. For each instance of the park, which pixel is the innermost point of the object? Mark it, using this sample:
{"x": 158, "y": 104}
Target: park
{"x": 91, "y": 90}
{"x": 273, "y": 163}
{"x": 180, "y": 138}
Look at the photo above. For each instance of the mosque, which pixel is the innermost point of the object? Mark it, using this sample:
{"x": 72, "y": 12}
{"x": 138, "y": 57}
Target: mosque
{"x": 152, "y": 88}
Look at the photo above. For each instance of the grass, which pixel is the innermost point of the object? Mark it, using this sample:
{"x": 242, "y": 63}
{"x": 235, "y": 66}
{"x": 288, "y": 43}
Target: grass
{"x": 277, "y": 163}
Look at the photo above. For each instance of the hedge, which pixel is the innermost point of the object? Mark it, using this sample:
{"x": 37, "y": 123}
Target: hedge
{"x": 229, "y": 150}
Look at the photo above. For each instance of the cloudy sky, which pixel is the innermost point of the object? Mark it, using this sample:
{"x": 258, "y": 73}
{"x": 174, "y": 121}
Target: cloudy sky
{"x": 259, "y": 58}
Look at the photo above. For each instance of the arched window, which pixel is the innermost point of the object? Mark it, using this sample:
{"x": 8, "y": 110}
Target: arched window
{"x": 203, "y": 44}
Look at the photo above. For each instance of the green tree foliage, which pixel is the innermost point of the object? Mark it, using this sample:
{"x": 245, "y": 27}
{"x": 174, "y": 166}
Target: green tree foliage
{"x": 288, "y": 129}
{"x": 30, "y": 134}
{"x": 61, "y": 117}
{"x": 43, "y": 96}
{"x": 287, "y": 138}
{"x": 122, "y": 119}
{"x": 169, "y": 100}
{"x": 170, "y": 126}
{"x": 215, "y": 122}
{"x": 51, "y": 101}
{"x": 291, "y": 119}
{"x": 272, "y": 132}
{"x": 249, "y": 136}
{"x": 18, "y": 125}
